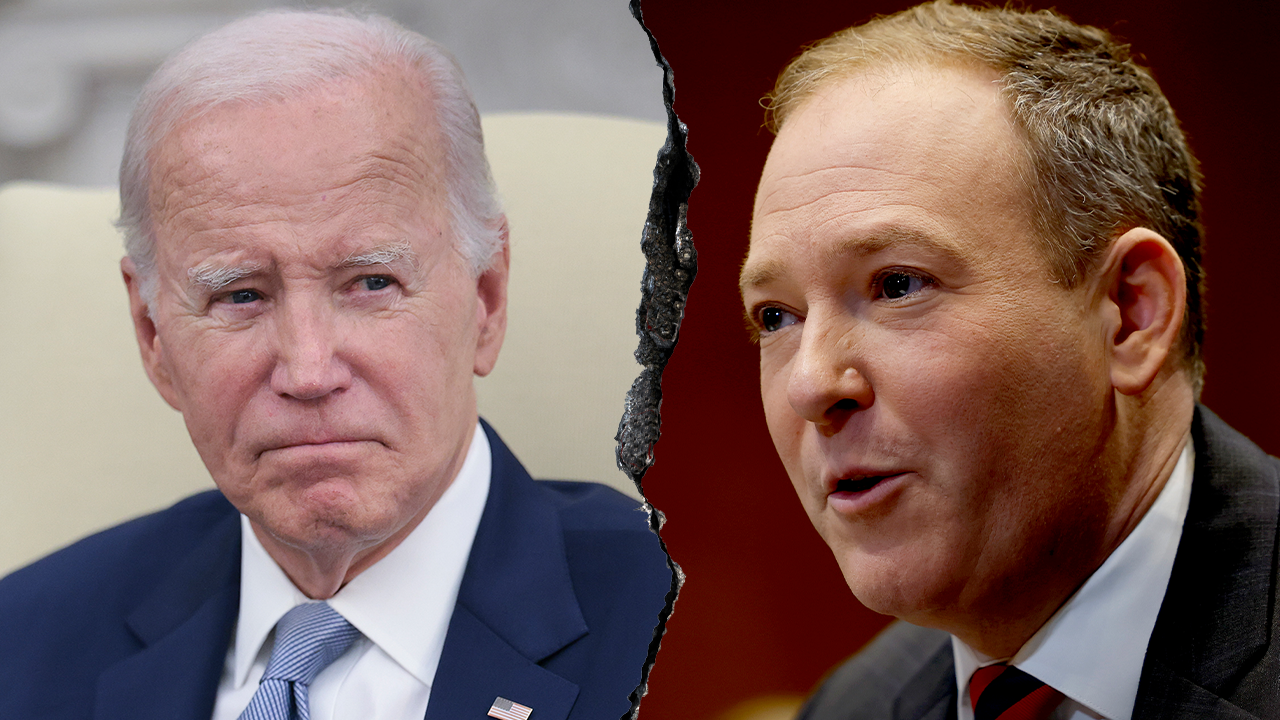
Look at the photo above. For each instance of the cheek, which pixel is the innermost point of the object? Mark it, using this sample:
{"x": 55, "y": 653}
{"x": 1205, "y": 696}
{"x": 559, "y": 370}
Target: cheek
{"x": 955, "y": 377}
{"x": 214, "y": 372}
{"x": 999, "y": 406}
{"x": 220, "y": 390}
{"x": 785, "y": 426}
{"x": 422, "y": 364}
{"x": 787, "y": 430}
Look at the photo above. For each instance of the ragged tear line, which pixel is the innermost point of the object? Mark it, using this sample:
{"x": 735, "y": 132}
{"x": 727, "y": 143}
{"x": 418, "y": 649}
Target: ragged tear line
{"x": 670, "y": 266}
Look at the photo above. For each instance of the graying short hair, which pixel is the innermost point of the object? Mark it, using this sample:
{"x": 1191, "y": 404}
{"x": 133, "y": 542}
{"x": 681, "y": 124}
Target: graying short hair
{"x": 1106, "y": 151}
{"x": 276, "y": 55}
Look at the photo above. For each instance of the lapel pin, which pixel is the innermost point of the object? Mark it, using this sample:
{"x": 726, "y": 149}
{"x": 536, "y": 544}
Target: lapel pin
{"x": 504, "y": 709}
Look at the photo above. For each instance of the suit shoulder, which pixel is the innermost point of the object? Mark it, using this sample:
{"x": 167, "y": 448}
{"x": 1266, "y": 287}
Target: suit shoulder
{"x": 622, "y": 580}
{"x": 903, "y": 664}
{"x": 1233, "y": 458}
{"x": 590, "y": 506}
{"x": 73, "y": 611}
{"x": 609, "y": 533}
{"x": 110, "y": 564}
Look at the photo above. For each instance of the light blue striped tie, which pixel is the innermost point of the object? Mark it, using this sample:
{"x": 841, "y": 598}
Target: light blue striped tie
{"x": 308, "y": 638}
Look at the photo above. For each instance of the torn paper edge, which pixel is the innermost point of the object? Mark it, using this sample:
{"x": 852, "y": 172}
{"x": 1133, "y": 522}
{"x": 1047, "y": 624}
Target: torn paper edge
{"x": 670, "y": 266}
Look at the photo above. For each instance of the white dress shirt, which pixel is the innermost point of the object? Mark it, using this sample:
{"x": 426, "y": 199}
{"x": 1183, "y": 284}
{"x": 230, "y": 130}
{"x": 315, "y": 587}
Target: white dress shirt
{"x": 1092, "y": 649}
{"x": 401, "y": 604}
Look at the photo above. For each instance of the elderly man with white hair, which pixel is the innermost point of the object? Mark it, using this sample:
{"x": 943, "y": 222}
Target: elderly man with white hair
{"x": 316, "y": 269}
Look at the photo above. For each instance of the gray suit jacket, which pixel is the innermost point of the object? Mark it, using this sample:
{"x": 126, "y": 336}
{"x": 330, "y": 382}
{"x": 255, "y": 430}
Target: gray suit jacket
{"x": 1211, "y": 653}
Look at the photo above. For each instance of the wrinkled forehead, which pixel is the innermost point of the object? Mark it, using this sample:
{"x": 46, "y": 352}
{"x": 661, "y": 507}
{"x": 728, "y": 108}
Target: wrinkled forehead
{"x": 370, "y": 133}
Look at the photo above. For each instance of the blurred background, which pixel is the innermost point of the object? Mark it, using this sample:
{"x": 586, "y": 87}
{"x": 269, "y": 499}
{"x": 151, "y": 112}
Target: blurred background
{"x": 765, "y": 611}
{"x": 71, "y": 69}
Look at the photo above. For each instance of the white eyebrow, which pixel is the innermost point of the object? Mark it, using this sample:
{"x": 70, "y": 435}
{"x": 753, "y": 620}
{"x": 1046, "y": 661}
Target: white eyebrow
{"x": 383, "y": 255}
{"x": 214, "y": 277}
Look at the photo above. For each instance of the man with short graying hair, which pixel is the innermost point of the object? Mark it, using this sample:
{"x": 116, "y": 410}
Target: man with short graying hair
{"x": 975, "y": 279}
{"x": 317, "y": 269}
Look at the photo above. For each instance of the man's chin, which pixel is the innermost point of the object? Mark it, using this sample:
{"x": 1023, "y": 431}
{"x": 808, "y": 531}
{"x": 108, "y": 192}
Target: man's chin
{"x": 325, "y": 524}
{"x": 895, "y": 588}
{"x": 311, "y": 534}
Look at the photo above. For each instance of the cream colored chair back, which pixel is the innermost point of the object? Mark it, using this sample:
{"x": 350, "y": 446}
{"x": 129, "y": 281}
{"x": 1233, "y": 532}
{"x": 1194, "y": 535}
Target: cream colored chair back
{"x": 86, "y": 442}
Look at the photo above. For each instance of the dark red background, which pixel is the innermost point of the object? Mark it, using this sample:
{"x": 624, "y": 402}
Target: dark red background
{"x": 765, "y": 609}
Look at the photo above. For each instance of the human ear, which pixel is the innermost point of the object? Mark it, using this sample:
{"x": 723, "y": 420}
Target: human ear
{"x": 1146, "y": 297}
{"x": 144, "y": 329}
{"x": 491, "y": 308}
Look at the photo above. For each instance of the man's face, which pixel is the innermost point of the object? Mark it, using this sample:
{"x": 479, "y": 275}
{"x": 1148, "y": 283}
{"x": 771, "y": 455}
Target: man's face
{"x": 938, "y": 401}
{"x": 314, "y": 323}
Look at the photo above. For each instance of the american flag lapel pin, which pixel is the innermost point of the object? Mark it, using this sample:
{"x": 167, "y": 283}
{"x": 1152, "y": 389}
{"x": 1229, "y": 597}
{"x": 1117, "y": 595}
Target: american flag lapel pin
{"x": 504, "y": 709}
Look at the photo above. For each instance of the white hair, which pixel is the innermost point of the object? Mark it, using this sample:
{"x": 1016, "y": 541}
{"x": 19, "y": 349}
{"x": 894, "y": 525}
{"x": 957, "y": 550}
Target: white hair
{"x": 281, "y": 54}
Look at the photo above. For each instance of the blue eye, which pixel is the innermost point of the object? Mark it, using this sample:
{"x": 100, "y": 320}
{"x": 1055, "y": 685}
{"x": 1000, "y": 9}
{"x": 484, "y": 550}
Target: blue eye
{"x": 241, "y": 297}
{"x": 374, "y": 283}
{"x": 897, "y": 285}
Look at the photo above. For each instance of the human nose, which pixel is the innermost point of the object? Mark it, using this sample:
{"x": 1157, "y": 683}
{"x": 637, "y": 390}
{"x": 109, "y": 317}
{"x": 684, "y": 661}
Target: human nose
{"x": 826, "y": 385}
{"x": 307, "y": 366}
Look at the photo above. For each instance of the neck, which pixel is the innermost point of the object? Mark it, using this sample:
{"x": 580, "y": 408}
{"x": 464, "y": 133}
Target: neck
{"x": 1155, "y": 427}
{"x": 1146, "y": 442}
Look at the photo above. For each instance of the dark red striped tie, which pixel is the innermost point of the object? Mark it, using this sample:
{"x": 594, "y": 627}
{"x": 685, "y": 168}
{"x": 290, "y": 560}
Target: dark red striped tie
{"x": 1003, "y": 692}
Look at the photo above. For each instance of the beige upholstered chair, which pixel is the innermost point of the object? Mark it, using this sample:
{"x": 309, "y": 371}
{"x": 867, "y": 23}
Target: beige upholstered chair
{"x": 85, "y": 442}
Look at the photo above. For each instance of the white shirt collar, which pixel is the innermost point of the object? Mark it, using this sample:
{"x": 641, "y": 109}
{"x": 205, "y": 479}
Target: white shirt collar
{"x": 403, "y": 602}
{"x": 1092, "y": 649}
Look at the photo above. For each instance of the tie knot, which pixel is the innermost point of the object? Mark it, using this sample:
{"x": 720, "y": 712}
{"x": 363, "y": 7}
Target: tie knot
{"x": 1003, "y": 692}
{"x": 308, "y": 638}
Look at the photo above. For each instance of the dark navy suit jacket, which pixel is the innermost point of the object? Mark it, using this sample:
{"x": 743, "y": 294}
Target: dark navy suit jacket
{"x": 556, "y": 610}
{"x": 1214, "y": 651}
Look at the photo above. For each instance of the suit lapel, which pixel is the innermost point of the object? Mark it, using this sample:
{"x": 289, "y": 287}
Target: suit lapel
{"x": 1216, "y": 618}
{"x": 184, "y": 627}
{"x": 479, "y": 666}
{"x": 1167, "y": 693}
{"x": 517, "y": 570}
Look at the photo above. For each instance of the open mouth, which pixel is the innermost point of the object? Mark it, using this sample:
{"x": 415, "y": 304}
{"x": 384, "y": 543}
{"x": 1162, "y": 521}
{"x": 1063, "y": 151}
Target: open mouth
{"x": 857, "y": 485}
